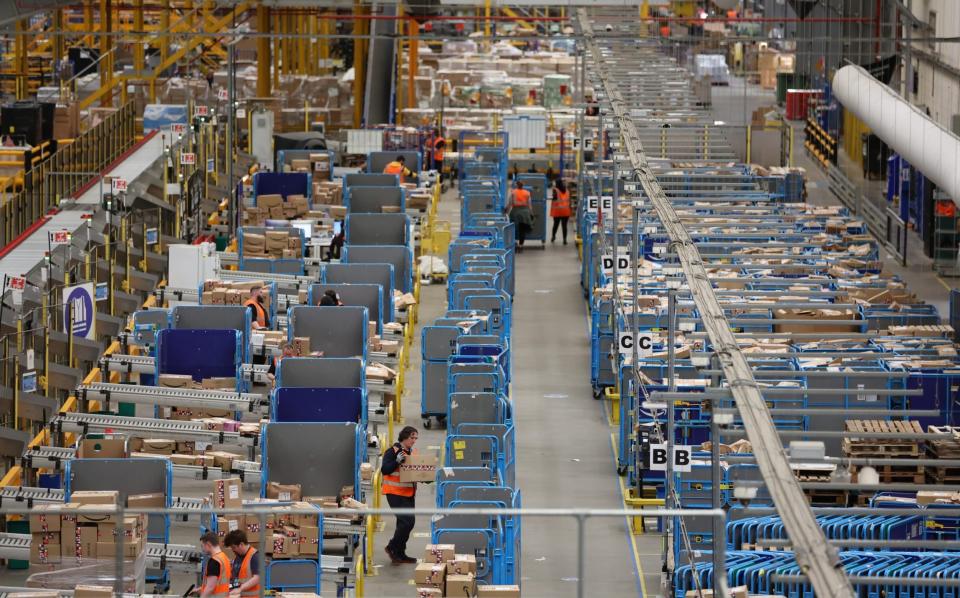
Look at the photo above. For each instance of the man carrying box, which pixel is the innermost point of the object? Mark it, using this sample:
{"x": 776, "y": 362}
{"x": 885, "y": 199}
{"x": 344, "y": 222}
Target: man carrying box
{"x": 400, "y": 495}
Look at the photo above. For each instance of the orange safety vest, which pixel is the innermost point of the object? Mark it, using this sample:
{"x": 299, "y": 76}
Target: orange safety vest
{"x": 438, "y": 151}
{"x": 244, "y": 575}
{"x": 222, "y": 589}
{"x": 395, "y": 168}
{"x": 560, "y": 208}
{"x": 393, "y": 485}
{"x": 521, "y": 198}
{"x": 261, "y": 319}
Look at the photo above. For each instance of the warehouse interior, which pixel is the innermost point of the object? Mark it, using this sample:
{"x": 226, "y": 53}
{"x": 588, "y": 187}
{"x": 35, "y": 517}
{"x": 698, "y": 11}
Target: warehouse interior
{"x": 480, "y": 298}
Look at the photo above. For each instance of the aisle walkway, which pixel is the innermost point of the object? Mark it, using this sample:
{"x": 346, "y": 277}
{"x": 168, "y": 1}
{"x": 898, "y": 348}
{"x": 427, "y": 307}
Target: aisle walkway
{"x": 565, "y": 455}
{"x": 564, "y": 450}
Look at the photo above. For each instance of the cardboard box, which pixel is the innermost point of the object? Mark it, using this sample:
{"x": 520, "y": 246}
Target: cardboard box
{"x": 95, "y": 497}
{"x": 93, "y": 514}
{"x": 226, "y": 494}
{"x": 228, "y": 524}
{"x": 815, "y": 315}
{"x": 254, "y": 240}
{"x": 89, "y": 591}
{"x": 461, "y": 585}
{"x": 223, "y": 459}
{"x": 176, "y": 380}
{"x": 338, "y": 212}
{"x": 284, "y": 492}
{"x": 158, "y": 446}
{"x": 269, "y": 200}
{"x": 45, "y": 554}
{"x": 439, "y": 553}
{"x": 462, "y": 564}
{"x": 429, "y": 593}
{"x": 224, "y": 383}
{"x": 499, "y": 591}
{"x": 86, "y": 541}
{"x": 152, "y": 500}
{"x": 389, "y": 209}
{"x": 68, "y": 522}
{"x": 105, "y": 448}
{"x": 301, "y": 346}
{"x": 300, "y": 165}
{"x": 283, "y": 547}
{"x": 430, "y": 575}
{"x": 419, "y": 468}
{"x": 251, "y": 524}
{"x": 131, "y": 550}
{"x": 366, "y": 471}
{"x": 197, "y": 460}
{"x": 276, "y": 213}
{"x": 45, "y": 518}
{"x": 45, "y": 538}
{"x": 309, "y": 540}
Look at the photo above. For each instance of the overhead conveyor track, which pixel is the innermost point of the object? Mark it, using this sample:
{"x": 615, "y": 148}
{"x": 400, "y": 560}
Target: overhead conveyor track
{"x": 813, "y": 553}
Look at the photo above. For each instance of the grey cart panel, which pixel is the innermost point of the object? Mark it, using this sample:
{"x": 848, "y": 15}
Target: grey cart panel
{"x": 321, "y": 457}
{"x": 371, "y": 200}
{"x": 321, "y": 372}
{"x": 381, "y": 274}
{"x": 126, "y": 476}
{"x": 377, "y": 229}
{"x": 371, "y": 179}
{"x": 337, "y": 331}
{"x": 398, "y": 256}
{"x": 355, "y": 295}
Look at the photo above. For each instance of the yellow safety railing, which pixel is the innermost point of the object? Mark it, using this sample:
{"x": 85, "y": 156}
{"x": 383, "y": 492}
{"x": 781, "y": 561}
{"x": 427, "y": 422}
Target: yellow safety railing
{"x": 14, "y": 475}
{"x": 65, "y": 171}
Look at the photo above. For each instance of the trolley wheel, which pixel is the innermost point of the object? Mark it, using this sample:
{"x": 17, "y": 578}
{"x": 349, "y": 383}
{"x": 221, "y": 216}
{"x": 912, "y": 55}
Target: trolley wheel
{"x": 597, "y": 393}
{"x": 442, "y": 421}
{"x": 427, "y": 423}
{"x": 621, "y": 470}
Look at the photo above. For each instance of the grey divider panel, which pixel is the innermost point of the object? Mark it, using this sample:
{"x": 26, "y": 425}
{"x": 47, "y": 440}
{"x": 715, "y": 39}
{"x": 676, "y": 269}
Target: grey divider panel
{"x": 488, "y": 493}
{"x": 259, "y": 230}
{"x": 377, "y": 229}
{"x": 377, "y": 161}
{"x": 149, "y": 317}
{"x": 371, "y": 179}
{"x": 464, "y": 474}
{"x": 213, "y": 317}
{"x": 480, "y": 407}
{"x": 258, "y": 265}
{"x": 126, "y": 476}
{"x": 434, "y": 400}
{"x": 440, "y": 342}
{"x": 372, "y": 199}
{"x": 321, "y": 457}
{"x": 381, "y": 274}
{"x": 293, "y": 574}
{"x": 321, "y": 372}
{"x": 288, "y": 266}
{"x": 337, "y": 331}
{"x": 859, "y": 396}
{"x": 398, "y": 256}
{"x": 359, "y": 295}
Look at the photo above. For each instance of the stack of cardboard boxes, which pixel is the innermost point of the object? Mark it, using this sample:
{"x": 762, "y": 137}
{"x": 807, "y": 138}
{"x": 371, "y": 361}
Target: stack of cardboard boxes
{"x": 443, "y": 572}
{"x": 220, "y": 292}
{"x": 328, "y": 193}
{"x": 275, "y": 207}
{"x": 76, "y": 532}
{"x": 272, "y": 244}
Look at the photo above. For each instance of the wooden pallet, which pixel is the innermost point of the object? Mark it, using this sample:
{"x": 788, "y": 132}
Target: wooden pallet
{"x": 827, "y": 497}
{"x": 889, "y": 474}
{"x": 944, "y": 449}
{"x": 865, "y": 446}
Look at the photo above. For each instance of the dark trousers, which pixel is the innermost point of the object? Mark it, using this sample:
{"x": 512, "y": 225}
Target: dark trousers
{"x": 558, "y": 222}
{"x": 521, "y": 232}
{"x": 405, "y": 523}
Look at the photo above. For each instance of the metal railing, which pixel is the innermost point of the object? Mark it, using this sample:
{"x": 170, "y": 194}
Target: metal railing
{"x": 66, "y": 170}
{"x": 883, "y": 223}
{"x": 580, "y": 516}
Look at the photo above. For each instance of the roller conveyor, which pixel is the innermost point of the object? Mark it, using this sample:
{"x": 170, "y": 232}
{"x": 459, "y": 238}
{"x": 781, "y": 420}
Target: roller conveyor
{"x": 172, "y": 397}
{"x": 51, "y": 457}
{"x": 128, "y": 364}
{"x": 31, "y": 495}
{"x": 155, "y": 428}
{"x": 181, "y": 557}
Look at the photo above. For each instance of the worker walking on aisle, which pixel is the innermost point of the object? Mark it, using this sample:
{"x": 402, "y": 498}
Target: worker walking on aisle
{"x": 399, "y": 168}
{"x": 258, "y": 312}
{"x": 560, "y": 210}
{"x": 245, "y": 571}
{"x": 216, "y": 574}
{"x": 438, "y": 146}
{"x": 400, "y": 495}
{"x": 518, "y": 207}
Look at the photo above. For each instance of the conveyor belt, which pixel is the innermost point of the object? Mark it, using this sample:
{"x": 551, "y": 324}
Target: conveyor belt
{"x": 181, "y": 557}
{"x": 128, "y": 364}
{"x": 31, "y": 494}
{"x": 156, "y": 428}
{"x": 51, "y": 457}
{"x": 172, "y": 397}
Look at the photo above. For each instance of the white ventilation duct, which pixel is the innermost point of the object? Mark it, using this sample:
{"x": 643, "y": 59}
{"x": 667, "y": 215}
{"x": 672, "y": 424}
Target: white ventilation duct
{"x": 928, "y": 146}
